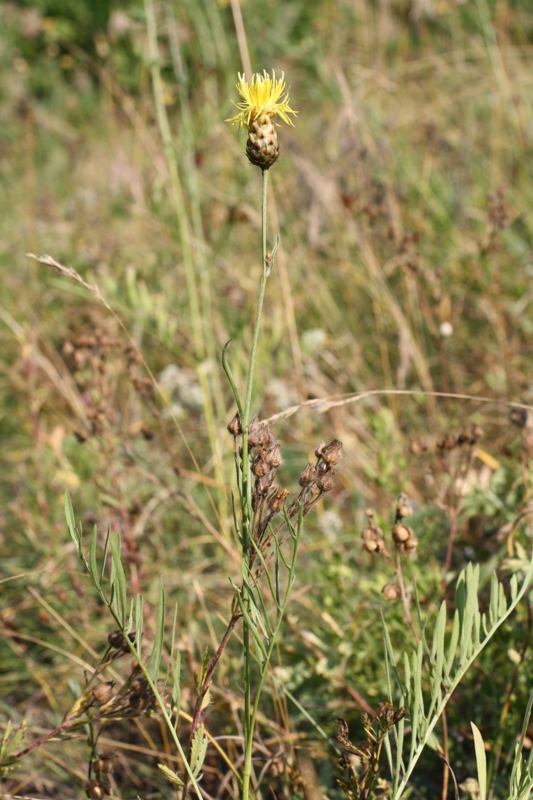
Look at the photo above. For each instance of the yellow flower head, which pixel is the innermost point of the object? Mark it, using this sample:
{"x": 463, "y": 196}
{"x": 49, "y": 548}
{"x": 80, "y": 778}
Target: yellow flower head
{"x": 262, "y": 96}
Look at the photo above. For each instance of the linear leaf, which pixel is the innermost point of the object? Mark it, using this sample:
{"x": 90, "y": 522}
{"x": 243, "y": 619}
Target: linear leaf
{"x": 155, "y": 656}
{"x": 481, "y": 761}
{"x": 118, "y": 578}
{"x": 71, "y": 522}
{"x": 92, "y": 564}
{"x": 139, "y": 623}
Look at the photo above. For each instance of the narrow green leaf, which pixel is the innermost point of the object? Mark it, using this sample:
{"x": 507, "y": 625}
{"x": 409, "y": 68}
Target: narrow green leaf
{"x": 176, "y": 690}
{"x": 452, "y": 646}
{"x": 155, "y": 656}
{"x": 438, "y": 650}
{"x": 104, "y": 555}
{"x": 494, "y": 599}
{"x": 138, "y": 623}
{"x": 92, "y": 563}
{"x": 118, "y": 578}
{"x": 481, "y": 760}
{"x": 513, "y": 585}
{"x": 390, "y": 651}
{"x": 71, "y": 522}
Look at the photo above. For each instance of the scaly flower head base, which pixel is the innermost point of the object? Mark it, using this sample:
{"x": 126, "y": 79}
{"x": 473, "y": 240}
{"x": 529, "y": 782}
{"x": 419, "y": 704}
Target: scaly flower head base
{"x": 263, "y": 99}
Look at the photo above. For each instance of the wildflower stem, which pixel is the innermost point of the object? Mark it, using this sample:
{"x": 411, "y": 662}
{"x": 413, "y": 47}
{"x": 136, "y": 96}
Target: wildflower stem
{"x": 246, "y": 500}
{"x": 261, "y": 297}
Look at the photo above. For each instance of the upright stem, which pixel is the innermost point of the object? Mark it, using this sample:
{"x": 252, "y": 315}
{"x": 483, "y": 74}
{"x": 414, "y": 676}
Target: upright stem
{"x": 261, "y": 297}
{"x": 246, "y": 500}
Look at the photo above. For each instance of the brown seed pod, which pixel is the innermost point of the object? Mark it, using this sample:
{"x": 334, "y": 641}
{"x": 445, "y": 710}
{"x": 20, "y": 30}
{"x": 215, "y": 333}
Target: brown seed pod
{"x": 103, "y": 692}
{"x": 277, "y": 499}
{"x": 234, "y": 427}
{"x": 139, "y": 685}
{"x": 326, "y": 481}
{"x": 371, "y": 546}
{"x": 400, "y": 533}
{"x": 96, "y": 790}
{"x": 105, "y": 762}
{"x": 116, "y": 639}
{"x": 273, "y": 456}
{"x": 403, "y": 510}
{"x": 391, "y": 592}
{"x": 308, "y": 475}
{"x": 259, "y": 464}
{"x": 411, "y": 544}
{"x": 254, "y": 433}
{"x": 264, "y": 484}
{"x": 330, "y": 453}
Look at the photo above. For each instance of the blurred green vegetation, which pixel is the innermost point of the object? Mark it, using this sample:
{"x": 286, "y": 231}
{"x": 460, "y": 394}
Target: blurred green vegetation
{"x": 403, "y": 198}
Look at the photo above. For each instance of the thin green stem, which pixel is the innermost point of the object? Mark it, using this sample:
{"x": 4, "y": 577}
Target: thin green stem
{"x": 249, "y": 732}
{"x": 261, "y": 297}
{"x": 246, "y": 498}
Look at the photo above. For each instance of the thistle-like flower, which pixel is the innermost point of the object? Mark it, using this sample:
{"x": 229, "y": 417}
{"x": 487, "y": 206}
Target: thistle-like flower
{"x": 264, "y": 98}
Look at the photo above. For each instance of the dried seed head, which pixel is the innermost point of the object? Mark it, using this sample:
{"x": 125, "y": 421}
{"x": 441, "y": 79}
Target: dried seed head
{"x": 264, "y": 484}
{"x": 330, "y": 453}
{"x": 401, "y": 533}
{"x": 408, "y": 546}
{"x": 234, "y": 426}
{"x": 103, "y": 692}
{"x": 371, "y": 546}
{"x": 403, "y": 509}
{"x": 139, "y": 701}
{"x": 96, "y": 790}
{"x": 446, "y": 442}
{"x": 391, "y": 591}
{"x": 520, "y": 417}
{"x": 139, "y": 685}
{"x": 277, "y": 499}
{"x": 308, "y": 475}
{"x": 117, "y": 640}
{"x": 259, "y": 464}
{"x": 416, "y": 447}
{"x": 369, "y": 534}
{"x": 274, "y": 456}
{"x": 478, "y": 432}
{"x": 105, "y": 762}
{"x": 326, "y": 481}
{"x": 254, "y": 433}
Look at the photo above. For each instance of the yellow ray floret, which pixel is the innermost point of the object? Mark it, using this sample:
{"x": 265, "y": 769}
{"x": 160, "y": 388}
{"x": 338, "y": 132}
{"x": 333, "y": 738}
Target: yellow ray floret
{"x": 263, "y": 95}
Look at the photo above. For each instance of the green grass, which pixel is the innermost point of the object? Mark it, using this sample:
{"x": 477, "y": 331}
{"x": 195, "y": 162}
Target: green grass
{"x": 406, "y": 123}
